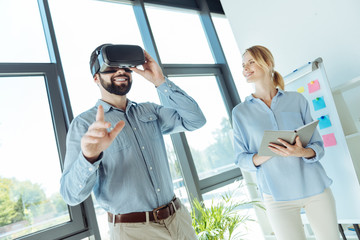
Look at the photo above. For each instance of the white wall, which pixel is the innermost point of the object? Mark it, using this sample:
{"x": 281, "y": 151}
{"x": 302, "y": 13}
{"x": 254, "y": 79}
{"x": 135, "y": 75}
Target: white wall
{"x": 299, "y": 32}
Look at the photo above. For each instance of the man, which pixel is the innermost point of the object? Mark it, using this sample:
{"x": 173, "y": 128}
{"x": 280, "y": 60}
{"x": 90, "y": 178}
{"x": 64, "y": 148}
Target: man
{"x": 117, "y": 150}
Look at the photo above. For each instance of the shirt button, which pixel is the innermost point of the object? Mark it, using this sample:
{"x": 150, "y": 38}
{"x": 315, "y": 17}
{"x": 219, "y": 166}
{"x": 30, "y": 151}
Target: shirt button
{"x": 150, "y": 168}
{"x": 158, "y": 189}
{"x": 165, "y": 90}
{"x": 134, "y": 128}
{"x": 150, "y": 118}
{"x": 90, "y": 169}
{"x": 80, "y": 186}
{"x": 142, "y": 147}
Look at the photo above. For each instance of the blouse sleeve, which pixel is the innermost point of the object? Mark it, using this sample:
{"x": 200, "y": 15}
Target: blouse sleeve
{"x": 243, "y": 158}
{"x": 315, "y": 142}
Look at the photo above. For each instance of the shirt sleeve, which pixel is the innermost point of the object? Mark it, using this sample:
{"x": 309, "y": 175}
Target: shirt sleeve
{"x": 315, "y": 142}
{"x": 243, "y": 158}
{"x": 79, "y": 175}
{"x": 179, "y": 111}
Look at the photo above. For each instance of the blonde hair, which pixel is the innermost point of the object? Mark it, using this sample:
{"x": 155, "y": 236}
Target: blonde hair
{"x": 265, "y": 60}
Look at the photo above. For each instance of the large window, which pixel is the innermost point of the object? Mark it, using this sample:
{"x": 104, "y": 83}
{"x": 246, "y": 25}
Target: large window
{"x": 31, "y": 146}
{"x": 29, "y": 178}
{"x": 33, "y": 128}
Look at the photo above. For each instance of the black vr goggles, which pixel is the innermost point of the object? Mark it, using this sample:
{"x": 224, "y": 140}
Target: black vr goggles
{"x": 117, "y": 56}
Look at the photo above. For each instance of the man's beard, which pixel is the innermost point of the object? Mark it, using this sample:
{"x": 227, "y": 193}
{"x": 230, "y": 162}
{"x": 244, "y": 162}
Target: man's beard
{"x": 111, "y": 87}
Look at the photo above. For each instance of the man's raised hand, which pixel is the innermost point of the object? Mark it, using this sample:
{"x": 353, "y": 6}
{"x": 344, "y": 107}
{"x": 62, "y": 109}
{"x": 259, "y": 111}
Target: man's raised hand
{"x": 152, "y": 71}
{"x": 97, "y": 138}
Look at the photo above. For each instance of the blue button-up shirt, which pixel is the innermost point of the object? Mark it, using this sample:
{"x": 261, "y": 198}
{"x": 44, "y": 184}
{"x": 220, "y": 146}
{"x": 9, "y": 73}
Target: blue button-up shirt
{"x": 133, "y": 174}
{"x": 285, "y": 178}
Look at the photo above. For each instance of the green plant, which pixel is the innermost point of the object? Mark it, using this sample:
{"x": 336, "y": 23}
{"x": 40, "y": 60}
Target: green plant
{"x": 221, "y": 219}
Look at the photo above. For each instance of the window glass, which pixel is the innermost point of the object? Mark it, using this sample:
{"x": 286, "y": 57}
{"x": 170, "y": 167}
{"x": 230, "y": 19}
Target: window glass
{"x": 232, "y": 54}
{"x": 211, "y": 146}
{"x": 30, "y": 172}
{"x": 179, "y": 36}
{"x": 22, "y": 36}
{"x": 87, "y": 25}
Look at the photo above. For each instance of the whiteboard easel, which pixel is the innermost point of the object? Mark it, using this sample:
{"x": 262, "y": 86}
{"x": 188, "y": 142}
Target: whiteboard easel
{"x": 337, "y": 159}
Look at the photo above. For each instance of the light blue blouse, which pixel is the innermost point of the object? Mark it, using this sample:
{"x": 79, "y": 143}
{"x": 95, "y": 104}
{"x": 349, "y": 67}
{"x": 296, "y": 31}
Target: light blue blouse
{"x": 285, "y": 178}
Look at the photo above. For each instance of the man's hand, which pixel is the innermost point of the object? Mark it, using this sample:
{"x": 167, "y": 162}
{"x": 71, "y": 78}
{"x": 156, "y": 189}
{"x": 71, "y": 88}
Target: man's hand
{"x": 287, "y": 150}
{"x": 97, "y": 138}
{"x": 152, "y": 70}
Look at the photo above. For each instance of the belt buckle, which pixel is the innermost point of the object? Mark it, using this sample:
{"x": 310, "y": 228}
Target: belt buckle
{"x": 156, "y": 212}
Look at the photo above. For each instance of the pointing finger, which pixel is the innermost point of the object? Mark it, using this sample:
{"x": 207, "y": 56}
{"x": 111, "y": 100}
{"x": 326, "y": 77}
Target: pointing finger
{"x": 100, "y": 113}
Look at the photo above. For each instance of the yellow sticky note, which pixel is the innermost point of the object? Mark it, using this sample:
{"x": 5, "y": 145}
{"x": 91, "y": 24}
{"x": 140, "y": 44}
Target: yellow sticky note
{"x": 301, "y": 89}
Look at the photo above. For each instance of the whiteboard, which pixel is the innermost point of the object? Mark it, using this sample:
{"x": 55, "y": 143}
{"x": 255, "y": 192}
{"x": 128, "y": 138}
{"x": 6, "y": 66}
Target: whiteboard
{"x": 312, "y": 82}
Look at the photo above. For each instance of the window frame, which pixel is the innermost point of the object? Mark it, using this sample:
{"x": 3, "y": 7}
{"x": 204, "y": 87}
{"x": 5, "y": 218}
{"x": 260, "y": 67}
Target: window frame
{"x": 78, "y": 223}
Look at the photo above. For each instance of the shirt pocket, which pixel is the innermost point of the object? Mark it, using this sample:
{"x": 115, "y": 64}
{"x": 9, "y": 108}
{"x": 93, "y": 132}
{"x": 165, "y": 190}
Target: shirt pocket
{"x": 149, "y": 124}
{"x": 291, "y": 120}
{"x": 120, "y": 143}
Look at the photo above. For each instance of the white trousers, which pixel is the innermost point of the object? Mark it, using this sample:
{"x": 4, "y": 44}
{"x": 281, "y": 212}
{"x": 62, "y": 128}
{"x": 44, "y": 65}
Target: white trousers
{"x": 285, "y": 219}
{"x": 176, "y": 227}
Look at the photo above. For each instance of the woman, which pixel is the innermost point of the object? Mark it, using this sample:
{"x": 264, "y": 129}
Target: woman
{"x": 294, "y": 179}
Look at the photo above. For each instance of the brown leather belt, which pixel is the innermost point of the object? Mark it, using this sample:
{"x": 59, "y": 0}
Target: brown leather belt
{"x": 155, "y": 215}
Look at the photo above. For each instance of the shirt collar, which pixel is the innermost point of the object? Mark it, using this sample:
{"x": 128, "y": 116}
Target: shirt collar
{"x": 108, "y": 107}
{"x": 250, "y": 98}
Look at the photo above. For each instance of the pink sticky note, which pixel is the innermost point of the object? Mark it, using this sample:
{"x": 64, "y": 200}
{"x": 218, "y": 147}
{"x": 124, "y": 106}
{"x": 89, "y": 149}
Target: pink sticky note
{"x": 313, "y": 86}
{"x": 329, "y": 140}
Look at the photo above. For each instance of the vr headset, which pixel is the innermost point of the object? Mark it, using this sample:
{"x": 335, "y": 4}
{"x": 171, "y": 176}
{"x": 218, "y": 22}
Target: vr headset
{"x": 117, "y": 56}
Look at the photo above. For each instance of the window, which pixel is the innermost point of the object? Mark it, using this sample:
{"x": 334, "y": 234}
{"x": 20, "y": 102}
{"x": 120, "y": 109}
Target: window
{"x": 179, "y": 36}
{"x": 22, "y": 37}
{"x": 31, "y": 146}
{"x": 30, "y": 180}
{"x": 211, "y": 146}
